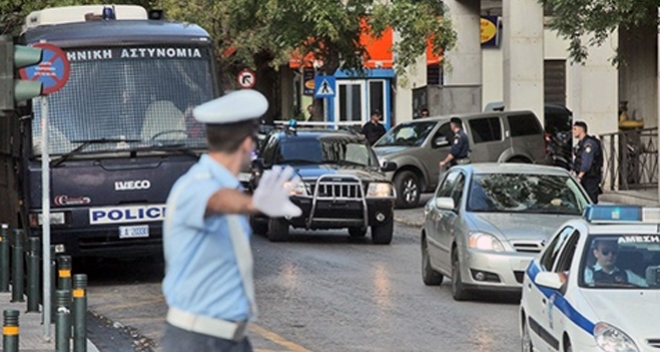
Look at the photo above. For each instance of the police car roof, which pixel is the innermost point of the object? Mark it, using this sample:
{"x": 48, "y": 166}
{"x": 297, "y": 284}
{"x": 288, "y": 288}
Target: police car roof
{"x": 313, "y": 133}
{"x": 514, "y": 168}
{"x": 116, "y": 32}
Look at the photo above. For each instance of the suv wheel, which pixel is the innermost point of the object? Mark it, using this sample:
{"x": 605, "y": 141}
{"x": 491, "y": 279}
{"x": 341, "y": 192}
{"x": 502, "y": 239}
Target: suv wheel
{"x": 382, "y": 234}
{"x": 408, "y": 189}
{"x": 357, "y": 231}
{"x": 259, "y": 226}
{"x": 278, "y": 229}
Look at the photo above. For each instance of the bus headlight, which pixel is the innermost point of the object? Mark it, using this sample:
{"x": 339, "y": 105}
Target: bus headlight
{"x": 56, "y": 218}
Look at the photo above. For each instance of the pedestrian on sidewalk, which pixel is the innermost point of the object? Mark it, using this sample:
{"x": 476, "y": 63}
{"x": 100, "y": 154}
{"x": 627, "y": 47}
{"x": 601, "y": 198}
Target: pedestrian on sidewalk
{"x": 374, "y": 129}
{"x": 208, "y": 282}
{"x": 588, "y": 163}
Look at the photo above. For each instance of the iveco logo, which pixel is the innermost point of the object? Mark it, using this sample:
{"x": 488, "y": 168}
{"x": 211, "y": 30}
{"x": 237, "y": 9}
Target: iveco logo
{"x": 132, "y": 185}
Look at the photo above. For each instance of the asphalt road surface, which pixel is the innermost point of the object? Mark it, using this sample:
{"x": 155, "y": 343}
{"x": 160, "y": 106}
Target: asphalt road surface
{"x": 320, "y": 291}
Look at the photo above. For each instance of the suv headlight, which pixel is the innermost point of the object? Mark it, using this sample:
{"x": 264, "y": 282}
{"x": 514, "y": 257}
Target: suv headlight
{"x": 611, "y": 339}
{"x": 299, "y": 190}
{"x": 380, "y": 190}
{"x": 485, "y": 242}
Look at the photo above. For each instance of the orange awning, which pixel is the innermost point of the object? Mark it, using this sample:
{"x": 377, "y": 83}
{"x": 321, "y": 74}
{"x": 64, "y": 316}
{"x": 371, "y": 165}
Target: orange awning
{"x": 379, "y": 50}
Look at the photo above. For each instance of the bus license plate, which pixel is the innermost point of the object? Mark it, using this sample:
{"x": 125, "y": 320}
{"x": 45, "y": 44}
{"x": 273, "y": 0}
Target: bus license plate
{"x": 134, "y": 231}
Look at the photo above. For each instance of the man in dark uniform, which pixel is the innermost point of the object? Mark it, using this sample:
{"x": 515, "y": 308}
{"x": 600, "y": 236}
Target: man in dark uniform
{"x": 588, "y": 163}
{"x": 373, "y": 129}
{"x": 460, "y": 146}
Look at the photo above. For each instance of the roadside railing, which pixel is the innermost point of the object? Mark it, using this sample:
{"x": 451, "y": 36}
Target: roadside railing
{"x": 630, "y": 159}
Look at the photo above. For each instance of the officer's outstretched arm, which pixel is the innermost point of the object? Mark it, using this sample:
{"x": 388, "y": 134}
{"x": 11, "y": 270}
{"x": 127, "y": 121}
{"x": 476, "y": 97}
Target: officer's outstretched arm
{"x": 271, "y": 197}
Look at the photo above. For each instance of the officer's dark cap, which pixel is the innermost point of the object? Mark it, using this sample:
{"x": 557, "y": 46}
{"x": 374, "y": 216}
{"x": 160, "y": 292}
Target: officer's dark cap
{"x": 581, "y": 124}
{"x": 456, "y": 121}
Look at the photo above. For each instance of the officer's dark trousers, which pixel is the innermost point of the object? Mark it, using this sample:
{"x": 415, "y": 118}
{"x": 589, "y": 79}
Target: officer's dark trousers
{"x": 179, "y": 340}
{"x": 592, "y": 186}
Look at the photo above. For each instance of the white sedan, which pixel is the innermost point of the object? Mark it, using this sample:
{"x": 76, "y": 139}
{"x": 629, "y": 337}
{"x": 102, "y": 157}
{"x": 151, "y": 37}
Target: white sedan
{"x": 596, "y": 285}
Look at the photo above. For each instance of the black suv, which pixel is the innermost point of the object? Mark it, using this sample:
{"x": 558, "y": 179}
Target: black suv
{"x": 343, "y": 183}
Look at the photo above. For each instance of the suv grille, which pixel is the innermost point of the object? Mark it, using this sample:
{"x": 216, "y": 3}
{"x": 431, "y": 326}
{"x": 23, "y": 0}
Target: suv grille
{"x": 528, "y": 247}
{"x": 336, "y": 188}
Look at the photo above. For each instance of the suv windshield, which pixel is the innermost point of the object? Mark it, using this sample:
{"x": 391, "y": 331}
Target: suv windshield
{"x": 407, "y": 134}
{"x": 526, "y": 193}
{"x": 141, "y": 94}
{"x": 627, "y": 261}
{"x": 325, "y": 150}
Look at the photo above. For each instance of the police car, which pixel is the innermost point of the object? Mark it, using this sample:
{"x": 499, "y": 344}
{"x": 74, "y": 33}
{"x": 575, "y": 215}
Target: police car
{"x": 596, "y": 285}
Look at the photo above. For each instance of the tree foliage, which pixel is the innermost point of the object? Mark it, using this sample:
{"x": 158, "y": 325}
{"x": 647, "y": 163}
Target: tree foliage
{"x": 269, "y": 31}
{"x": 597, "y": 19}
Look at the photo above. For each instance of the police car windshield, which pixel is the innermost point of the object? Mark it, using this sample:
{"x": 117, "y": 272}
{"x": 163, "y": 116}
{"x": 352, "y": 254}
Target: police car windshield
{"x": 525, "y": 193}
{"x": 142, "y": 94}
{"x": 345, "y": 151}
{"x": 621, "y": 262}
{"x": 410, "y": 134}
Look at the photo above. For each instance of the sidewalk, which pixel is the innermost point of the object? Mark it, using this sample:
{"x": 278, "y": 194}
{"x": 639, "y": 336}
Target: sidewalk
{"x": 31, "y": 331}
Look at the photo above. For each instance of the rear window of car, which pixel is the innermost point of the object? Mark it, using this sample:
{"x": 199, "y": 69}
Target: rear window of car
{"x": 486, "y": 129}
{"x": 524, "y": 125}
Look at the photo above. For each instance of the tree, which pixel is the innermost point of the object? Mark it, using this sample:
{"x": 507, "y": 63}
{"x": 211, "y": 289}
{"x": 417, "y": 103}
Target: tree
{"x": 263, "y": 34}
{"x": 574, "y": 19}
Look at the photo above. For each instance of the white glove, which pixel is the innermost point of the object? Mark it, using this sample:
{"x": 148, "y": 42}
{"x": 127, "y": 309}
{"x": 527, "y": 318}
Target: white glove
{"x": 272, "y": 195}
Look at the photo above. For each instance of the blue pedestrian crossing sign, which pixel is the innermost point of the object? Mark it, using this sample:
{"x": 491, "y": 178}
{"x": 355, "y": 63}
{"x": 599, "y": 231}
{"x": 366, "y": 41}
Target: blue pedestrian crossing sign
{"x": 324, "y": 86}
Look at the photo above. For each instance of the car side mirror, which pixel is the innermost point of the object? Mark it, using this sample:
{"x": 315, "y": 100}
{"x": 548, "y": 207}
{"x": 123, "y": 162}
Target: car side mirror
{"x": 440, "y": 142}
{"x": 548, "y": 280}
{"x": 445, "y": 203}
{"x": 388, "y": 166}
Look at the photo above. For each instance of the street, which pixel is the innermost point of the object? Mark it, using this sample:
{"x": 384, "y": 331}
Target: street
{"x": 325, "y": 292}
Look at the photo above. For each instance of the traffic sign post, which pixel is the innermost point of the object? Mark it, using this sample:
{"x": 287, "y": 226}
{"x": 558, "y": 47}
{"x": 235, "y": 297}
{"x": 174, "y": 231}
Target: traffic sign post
{"x": 52, "y": 72}
{"x": 246, "y": 79}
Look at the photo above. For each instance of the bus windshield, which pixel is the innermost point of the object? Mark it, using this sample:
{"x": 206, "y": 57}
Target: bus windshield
{"x": 143, "y": 95}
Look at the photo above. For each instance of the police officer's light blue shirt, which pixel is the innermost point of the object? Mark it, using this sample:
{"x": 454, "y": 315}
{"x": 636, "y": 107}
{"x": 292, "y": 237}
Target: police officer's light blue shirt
{"x": 202, "y": 275}
{"x": 460, "y": 147}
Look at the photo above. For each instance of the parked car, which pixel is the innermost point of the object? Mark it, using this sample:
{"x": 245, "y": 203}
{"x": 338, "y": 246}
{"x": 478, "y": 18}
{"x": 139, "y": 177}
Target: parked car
{"x": 486, "y": 222}
{"x": 343, "y": 184}
{"x": 558, "y": 126}
{"x": 418, "y": 146}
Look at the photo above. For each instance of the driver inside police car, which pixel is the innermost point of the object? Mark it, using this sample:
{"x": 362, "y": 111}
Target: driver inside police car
{"x": 605, "y": 270}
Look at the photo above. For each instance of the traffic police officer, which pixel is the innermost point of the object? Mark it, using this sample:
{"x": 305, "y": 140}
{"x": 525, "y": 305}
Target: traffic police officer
{"x": 208, "y": 282}
{"x": 460, "y": 147}
{"x": 588, "y": 163}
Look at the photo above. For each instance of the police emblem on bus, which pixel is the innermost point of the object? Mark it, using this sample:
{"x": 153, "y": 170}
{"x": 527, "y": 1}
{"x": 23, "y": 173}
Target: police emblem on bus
{"x": 132, "y": 185}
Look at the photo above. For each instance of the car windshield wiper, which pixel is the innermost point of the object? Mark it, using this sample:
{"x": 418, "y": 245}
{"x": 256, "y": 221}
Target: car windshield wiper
{"x": 87, "y": 142}
{"x": 172, "y": 147}
{"x": 345, "y": 162}
{"x": 298, "y": 161}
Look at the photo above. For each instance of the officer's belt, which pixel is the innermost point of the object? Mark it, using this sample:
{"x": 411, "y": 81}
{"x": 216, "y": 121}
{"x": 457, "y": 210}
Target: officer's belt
{"x": 463, "y": 161}
{"x": 206, "y": 325}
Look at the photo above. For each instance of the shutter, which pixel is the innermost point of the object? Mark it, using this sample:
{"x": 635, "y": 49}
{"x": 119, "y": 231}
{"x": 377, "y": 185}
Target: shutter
{"x": 554, "y": 78}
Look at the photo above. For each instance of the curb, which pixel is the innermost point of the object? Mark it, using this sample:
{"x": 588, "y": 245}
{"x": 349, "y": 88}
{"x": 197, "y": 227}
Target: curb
{"x": 408, "y": 222}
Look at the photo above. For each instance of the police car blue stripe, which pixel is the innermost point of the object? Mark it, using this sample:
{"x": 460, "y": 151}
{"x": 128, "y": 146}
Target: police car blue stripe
{"x": 561, "y": 303}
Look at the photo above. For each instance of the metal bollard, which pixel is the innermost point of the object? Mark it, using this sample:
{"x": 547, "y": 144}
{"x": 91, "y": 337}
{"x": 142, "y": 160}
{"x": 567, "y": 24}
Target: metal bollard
{"x": 63, "y": 321}
{"x": 53, "y": 283}
{"x": 10, "y": 331}
{"x": 4, "y": 258}
{"x": 34, "y": 274}
{"x": 79, "y": 313}
{"x": 17, "y": 283}
{"x": 64, "y": 272}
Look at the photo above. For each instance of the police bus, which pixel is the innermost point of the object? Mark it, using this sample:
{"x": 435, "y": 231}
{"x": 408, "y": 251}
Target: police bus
{"x": 120, "y": 131}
